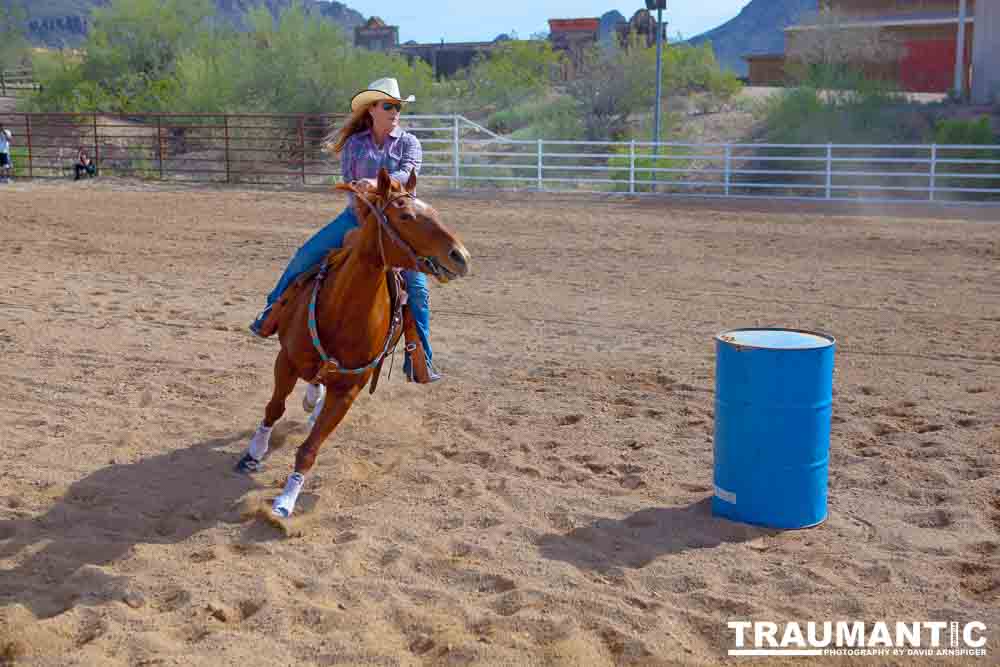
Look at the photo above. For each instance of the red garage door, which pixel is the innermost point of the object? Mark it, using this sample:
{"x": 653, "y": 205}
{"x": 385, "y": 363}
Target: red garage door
{"x": 928, "y": 66}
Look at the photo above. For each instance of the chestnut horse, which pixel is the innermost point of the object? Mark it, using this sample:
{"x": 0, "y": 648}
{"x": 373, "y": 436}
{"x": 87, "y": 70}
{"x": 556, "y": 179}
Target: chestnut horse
{"x": 337, "y": 330}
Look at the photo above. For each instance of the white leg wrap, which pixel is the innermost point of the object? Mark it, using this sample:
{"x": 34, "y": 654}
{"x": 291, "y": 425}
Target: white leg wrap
{"x": 315, "y": 413}
{"x": 284, "y": 504}
{"x": 259, "y": 443}
{"x": 314, "y": 394}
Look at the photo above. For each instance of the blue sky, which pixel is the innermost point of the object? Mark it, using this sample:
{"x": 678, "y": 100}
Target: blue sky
{"x": 464, "y": 21}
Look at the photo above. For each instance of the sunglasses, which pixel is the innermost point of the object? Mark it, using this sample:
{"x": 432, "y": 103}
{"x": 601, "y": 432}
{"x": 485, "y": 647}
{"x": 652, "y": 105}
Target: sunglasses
{"x": 388, "y": 106}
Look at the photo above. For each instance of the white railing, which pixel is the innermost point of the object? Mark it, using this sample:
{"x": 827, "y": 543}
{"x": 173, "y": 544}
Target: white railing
{"x": 466, "y": 155}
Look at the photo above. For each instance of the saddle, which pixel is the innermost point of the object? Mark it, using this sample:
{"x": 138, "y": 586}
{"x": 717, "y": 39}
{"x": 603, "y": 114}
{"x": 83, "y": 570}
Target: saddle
{"x": 397, "y": 291}
{"x": 276, "y": 315}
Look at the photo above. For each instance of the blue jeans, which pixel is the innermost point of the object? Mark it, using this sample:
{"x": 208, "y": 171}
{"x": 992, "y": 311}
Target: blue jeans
{"x": 332, "y": 236}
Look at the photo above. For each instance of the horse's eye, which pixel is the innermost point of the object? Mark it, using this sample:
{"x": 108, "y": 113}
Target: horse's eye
{"x": 406, "y": 216}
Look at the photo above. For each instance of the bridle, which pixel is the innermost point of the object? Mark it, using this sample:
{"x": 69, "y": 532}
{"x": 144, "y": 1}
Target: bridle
{"x": 421, "y": 263}
{"x": 331, "y": 364}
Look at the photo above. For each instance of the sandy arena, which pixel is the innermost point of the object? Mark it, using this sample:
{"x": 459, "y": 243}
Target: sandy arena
{"x": 548, "y": 502}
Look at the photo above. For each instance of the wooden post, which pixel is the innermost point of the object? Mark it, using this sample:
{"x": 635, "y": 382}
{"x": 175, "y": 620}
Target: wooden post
{"x": 3, "y": 83}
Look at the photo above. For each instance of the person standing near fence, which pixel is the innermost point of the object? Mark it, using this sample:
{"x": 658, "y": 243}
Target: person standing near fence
{"x": 6, "y": 164}
{"x": 370, "y": 139}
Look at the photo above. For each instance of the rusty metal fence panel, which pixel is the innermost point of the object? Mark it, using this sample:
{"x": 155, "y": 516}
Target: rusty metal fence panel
{"x": 258, "y": 149}
{"x": 224, "y": 148}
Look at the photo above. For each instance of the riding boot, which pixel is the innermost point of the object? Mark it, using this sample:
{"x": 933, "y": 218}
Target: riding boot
{"x": 269, "y": 326}
{"x": 266, "y": 323}
{"x": 421, "y": 371}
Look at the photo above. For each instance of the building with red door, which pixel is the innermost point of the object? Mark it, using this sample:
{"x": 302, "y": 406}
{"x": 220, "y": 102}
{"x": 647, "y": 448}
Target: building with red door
{"x": 573, "y": 37}
{"x": 926, "y": 32}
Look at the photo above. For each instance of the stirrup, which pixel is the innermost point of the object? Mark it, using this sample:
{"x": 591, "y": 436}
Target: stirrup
{"x": 421, "y": 372}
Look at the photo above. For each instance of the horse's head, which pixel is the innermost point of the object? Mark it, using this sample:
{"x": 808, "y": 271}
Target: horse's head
{"x": 414, "y": 236}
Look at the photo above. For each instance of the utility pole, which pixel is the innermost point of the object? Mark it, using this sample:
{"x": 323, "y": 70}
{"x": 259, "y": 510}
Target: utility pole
{"x": 986, "y": 53}
{"x": 659, "y": 6}
{"x": 960, "y": 52}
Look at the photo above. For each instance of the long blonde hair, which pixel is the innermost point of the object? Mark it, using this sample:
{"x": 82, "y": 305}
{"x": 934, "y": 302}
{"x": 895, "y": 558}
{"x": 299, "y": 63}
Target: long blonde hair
{"x": 359, "y": 121}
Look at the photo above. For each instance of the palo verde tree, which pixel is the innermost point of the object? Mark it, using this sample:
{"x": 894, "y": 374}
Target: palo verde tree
{"x": 133, "y": 47}
{"x": 293, "y": 64}
{"x": 155, "y": 55}
{"x": 128, "y": 60}
{"x": 514, "y": 72}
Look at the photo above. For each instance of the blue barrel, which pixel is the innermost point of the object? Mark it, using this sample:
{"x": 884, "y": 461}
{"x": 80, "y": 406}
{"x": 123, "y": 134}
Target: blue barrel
{"x": 773, "y": 394}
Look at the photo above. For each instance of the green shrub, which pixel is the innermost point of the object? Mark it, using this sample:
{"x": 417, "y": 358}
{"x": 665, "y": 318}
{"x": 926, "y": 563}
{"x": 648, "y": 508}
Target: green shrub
{"x": 870, "y": 114}
{"x": 553, "y": 118}
{"x": 19, "y": 157}
{"x": 863, "y": 112}
{"x": 958, "y": 132}
{"x": 964, "y": 132}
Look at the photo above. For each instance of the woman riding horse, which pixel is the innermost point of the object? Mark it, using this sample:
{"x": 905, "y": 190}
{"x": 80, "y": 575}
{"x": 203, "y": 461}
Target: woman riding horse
{"x": 371, "y": 138}
{"x": 338, "y": 332}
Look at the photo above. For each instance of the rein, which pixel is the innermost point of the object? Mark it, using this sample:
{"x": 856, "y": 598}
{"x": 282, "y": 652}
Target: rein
{"x": 331, "y": 364}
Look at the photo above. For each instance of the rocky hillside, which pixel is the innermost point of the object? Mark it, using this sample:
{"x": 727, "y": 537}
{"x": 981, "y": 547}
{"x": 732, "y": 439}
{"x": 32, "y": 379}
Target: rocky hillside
{"x": 59, "y": 23}
{"x": 757, "y": 29}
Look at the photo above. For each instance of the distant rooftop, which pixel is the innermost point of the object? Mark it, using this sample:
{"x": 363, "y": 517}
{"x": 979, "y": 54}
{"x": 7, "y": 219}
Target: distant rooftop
{"x": 917, "y": 18}
{"x": 573, "y": 25}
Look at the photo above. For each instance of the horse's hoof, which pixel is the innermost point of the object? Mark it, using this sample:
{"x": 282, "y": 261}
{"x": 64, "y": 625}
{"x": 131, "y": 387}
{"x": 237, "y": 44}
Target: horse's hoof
{"x": 284, "y": 504}
{"x": 248, "y": 465}
{"x": 282, "y": 508}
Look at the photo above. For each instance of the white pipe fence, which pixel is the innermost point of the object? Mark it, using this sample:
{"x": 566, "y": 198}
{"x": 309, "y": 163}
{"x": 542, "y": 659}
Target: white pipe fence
{"x": 471, "y": 156}
{"x": 287, "y": 149}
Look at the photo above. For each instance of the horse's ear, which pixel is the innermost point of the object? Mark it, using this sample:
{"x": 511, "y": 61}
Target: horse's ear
{"x": 384, "y": 183}
{"x": 411, "y": 182}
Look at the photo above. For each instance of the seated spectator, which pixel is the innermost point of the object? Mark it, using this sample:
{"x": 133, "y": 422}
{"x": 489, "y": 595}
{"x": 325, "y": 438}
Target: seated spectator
{"x": 6, "y": 166}
{"x": 84, "y": 165}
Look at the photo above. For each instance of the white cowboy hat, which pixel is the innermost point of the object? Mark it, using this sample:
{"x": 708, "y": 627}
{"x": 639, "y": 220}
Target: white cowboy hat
{"x": 379, "y": 90}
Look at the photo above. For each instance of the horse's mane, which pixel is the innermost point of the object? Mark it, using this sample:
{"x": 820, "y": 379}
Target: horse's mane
{"x": 362, "y": 210}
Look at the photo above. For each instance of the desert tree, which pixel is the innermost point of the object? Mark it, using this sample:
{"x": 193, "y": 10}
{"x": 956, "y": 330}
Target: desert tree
{"x": 13, "y": 44}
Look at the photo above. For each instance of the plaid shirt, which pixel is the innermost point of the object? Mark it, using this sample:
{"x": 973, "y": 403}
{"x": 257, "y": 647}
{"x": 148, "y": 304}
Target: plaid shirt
{"x": 400, "y": 154}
